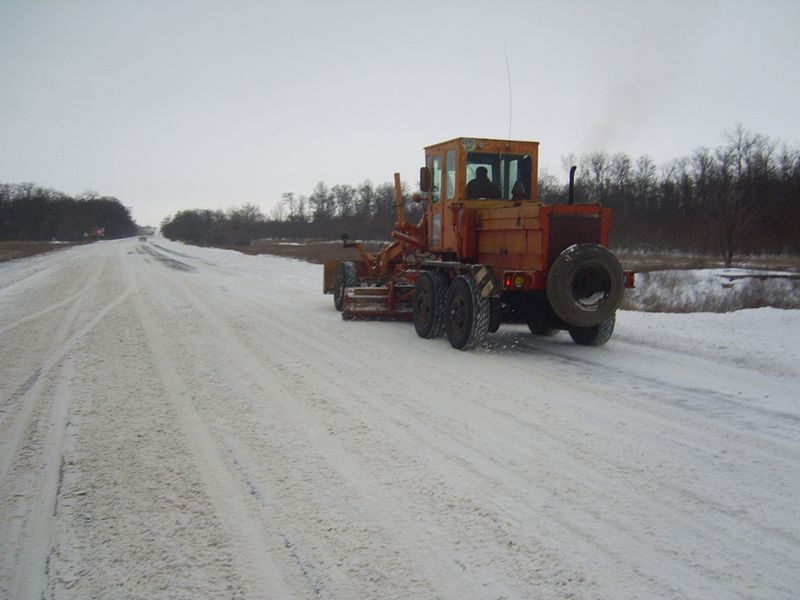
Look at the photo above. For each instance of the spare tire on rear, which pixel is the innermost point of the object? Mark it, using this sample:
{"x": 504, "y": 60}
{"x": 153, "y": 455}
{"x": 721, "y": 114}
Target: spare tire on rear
{"x": 585, "y": 285}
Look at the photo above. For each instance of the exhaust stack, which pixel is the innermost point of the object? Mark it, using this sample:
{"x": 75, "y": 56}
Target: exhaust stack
{"x": 572, "y": 184}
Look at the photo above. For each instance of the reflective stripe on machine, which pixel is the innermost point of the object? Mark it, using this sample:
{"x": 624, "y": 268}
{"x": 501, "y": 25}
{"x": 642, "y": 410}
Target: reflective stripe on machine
{"x": 484, "y": 280}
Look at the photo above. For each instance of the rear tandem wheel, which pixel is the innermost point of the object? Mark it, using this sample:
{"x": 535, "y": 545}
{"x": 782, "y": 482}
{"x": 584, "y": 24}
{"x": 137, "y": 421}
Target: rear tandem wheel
{"x": 430, "y": 295}
{"x": 467, "y": 314}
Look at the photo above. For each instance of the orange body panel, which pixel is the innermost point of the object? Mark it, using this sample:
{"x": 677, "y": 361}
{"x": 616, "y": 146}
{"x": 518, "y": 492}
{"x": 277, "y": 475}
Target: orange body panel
{"x": 513, "y": 262}
{"x": 509, "y": 224}
{"x": 510, "y": 242}
{"x": 528, "y": 237}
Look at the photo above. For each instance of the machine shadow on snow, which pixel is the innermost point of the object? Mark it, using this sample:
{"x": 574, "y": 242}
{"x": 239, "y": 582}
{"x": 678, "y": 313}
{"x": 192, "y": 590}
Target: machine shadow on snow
{"x": 521, "y": 341}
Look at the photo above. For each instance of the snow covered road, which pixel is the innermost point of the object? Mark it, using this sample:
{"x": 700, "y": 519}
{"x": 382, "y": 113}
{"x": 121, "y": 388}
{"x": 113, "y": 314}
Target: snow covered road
{"x": 178, "y": 422}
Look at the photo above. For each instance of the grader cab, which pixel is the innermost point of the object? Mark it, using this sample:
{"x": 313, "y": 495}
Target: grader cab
{"x": 487, "y": 252}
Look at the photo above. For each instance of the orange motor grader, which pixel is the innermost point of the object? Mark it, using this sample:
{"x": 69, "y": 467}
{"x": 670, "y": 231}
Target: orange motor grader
{"x": 487, "y": 252}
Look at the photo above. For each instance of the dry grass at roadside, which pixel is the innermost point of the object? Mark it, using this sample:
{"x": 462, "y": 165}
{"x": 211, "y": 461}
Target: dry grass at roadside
{"x": 679, "y": 282}
{"x": 313, "y": 251}
{"x": 21, "y": 249}
{"x": 713, "y": 290}
{"x": 643, "y": 261}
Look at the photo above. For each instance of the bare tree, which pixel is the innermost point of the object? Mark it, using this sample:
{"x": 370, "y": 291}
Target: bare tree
{"x": 245, "y": 223}
{"x": 728, "y": 204}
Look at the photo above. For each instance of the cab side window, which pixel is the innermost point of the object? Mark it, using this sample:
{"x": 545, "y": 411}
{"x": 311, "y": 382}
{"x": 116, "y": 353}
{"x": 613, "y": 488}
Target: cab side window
{"x": 435, "y": 165}
{"x": 450, "y": 174}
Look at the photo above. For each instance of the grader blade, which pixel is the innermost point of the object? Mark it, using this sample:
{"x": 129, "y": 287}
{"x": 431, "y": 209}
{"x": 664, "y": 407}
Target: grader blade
{"x": 389, "y": 303}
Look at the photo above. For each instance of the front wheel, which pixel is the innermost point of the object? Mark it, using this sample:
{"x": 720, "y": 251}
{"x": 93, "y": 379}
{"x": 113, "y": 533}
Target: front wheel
{"x": 594, "y": 336}
{"x": 345, "y": 277}
{"x": 467, "y": 314}
{"x": 430, "y": 294}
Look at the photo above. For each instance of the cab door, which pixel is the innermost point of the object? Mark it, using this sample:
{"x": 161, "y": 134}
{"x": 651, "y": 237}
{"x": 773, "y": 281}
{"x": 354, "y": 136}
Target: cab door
{"x": 433, "y": 160}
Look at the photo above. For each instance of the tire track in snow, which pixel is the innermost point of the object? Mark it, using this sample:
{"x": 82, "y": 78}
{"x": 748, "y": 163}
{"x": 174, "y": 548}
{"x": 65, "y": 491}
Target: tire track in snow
{"x": 257, "y": 563}
{"x": 336, "y": 358}
{"x": 722, "y": 513}
{"x": 69, "y": 333}
{"x": 708, "y": 402}
{"x": 745, "y": 542}
{"x": 322, "y": 455}
{"x": 33, "y": 529}
{"x": 285, "y": 371}
{"x": 91, "y": 282}
{"x": 15, "y": 412}
{"x": 32, "y": 445}
{"x": 663, "y": 407}
{"x": 233, "y": 450}
{"x": 25, "y": 272}
{"x": 509, "y": 507}
{"x": 707, "y": 435}
{"x": 23, "y": 389}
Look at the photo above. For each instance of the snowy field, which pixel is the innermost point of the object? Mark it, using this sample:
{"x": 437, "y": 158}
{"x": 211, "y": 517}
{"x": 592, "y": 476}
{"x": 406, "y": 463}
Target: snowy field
{"x": 178, "y": 422}
{"x": 713, "y": 290}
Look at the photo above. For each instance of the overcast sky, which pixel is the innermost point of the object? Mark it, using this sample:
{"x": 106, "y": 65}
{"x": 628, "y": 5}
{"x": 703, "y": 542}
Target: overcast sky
{"x": 176, "y": 104}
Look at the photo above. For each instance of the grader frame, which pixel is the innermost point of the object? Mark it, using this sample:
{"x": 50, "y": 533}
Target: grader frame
{"x": 475, "y": 261}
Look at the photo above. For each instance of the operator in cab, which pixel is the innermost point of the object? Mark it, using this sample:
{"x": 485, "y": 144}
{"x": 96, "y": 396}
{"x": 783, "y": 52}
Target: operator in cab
{"x": 482, "y": 186}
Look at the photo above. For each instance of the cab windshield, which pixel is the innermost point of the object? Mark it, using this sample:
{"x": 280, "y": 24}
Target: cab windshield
{"x": 498, "y": 176}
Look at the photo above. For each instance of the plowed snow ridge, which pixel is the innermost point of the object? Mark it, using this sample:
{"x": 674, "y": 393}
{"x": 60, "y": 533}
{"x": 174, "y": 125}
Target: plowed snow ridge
{"x": 178, "y": 422}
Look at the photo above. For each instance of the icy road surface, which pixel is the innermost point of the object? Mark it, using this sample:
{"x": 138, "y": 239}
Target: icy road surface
{"x": 178, "y": 422}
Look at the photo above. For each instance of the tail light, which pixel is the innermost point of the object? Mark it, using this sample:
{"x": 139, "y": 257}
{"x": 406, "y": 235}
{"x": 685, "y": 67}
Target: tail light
{"x": 513, "y": 280}
{"x": 524, "y": 280}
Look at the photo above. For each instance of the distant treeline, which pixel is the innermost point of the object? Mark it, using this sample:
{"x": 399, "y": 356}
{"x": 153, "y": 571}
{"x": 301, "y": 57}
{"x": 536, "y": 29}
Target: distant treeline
{"x": 29, "y": 212}
{"x": 365, "y": 212}
{"x": 741, "y": 197}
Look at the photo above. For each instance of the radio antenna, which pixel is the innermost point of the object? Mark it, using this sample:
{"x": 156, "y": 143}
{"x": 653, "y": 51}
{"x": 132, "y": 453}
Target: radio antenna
{"x": 508, "y": 72}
